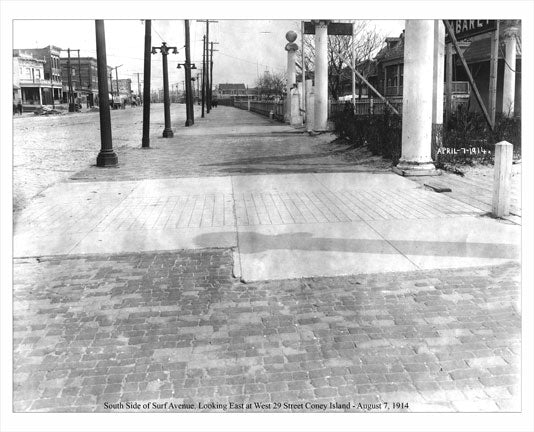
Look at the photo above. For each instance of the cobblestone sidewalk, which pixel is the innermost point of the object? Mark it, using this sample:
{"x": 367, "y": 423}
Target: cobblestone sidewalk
{"x": 92, "y": 333}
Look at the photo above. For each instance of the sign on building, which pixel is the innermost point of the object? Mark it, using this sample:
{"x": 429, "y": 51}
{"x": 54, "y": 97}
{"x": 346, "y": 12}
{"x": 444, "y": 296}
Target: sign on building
{"x": 467, "y": 28}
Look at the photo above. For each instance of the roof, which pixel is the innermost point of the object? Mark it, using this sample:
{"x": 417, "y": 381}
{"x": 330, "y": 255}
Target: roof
{"x": 395, "y": 52}
{"x": 232, "y": 87}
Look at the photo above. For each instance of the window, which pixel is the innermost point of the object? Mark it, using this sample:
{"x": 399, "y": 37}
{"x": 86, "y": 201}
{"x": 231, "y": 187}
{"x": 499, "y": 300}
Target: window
{"x": 73, "y": 72}
{"x": 37, "y": 74}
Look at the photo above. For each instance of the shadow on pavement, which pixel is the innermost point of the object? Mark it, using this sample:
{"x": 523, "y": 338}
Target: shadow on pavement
{"x": 250, "y": 242}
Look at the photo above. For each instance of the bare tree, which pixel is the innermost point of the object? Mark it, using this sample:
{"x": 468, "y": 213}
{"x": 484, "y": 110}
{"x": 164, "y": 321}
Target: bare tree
{"x": 367, "y": 41}
{"x": 271, "y": 84}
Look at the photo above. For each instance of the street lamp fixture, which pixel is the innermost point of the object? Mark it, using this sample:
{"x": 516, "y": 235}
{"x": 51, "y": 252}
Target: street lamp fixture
{"x": 191, "y": 66}
{"x": 164, "y": 49}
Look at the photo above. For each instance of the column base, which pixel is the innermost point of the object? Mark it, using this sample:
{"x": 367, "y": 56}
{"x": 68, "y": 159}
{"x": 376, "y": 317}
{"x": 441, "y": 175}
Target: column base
{"x": 296, "y": 121}
{"x": 168, "y": 133}
{"x": 189, "y": 122}
{"x": 408, "y": 169}
{"x": 107, "y": 158}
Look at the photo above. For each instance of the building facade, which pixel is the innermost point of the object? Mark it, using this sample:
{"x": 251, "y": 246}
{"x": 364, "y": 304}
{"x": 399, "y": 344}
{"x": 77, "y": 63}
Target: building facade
{"x": 83, "y": 79}
{"x": 46, "y": 80}
{"x": 28, "y": 76}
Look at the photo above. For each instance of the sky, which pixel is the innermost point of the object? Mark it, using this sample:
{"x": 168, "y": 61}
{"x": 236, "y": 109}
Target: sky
{"x": 246, "y": 48}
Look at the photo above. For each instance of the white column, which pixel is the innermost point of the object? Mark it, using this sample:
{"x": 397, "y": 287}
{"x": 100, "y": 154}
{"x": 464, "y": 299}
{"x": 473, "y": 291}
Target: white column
{"x": 439, "y": 87}
{"x": 291, "y": 48}
{"x": 291, "y": 78}
{"x": 417, "y": 100}
{"x": 508, "y": 91}
{"x": 321, "y": 76}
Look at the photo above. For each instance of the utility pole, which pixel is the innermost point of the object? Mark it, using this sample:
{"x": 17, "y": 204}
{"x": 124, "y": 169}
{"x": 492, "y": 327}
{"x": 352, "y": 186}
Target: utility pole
{"x": 70, "y": 97}
{"x": 107, "y": 156}
{"x": 207, "y": 85}
{"x": 203, "y": 73}
{"x": 190, "y": 118}
{"x": 145, "y": 143}
{"x": 80, "y": 74}
{"x": 211, "y": 73}
{"x": 138, "y": 86}
{"x": 111, "y": 82}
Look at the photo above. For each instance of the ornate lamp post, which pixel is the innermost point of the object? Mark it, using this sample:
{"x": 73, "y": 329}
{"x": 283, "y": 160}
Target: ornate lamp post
{"x": 164, "y": 49}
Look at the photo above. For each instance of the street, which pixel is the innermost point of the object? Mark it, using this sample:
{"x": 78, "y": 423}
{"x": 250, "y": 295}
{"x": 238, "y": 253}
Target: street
{"x": 48, "y": 149}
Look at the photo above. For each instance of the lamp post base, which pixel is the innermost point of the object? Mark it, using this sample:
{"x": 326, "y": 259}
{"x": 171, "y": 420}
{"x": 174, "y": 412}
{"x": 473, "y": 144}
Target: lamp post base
{"x": 189, "y": 122}
{"x": 168, "y": 133}
{"x": 107, "y": 159}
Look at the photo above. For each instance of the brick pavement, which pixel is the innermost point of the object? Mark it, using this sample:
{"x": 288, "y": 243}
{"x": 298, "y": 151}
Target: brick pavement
{"x": 175, "y": 327}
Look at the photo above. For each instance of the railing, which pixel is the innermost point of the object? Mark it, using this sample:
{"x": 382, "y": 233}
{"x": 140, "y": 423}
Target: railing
{"x": 366, "y": 106}
{"x": 264, "y": 108}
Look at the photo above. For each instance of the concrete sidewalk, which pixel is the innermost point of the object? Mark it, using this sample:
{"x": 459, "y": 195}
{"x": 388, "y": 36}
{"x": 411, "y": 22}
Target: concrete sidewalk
{"x": 281, "y": 226}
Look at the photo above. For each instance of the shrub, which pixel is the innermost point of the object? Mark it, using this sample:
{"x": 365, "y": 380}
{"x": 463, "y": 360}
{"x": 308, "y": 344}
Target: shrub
{"x": 381, "y": 133}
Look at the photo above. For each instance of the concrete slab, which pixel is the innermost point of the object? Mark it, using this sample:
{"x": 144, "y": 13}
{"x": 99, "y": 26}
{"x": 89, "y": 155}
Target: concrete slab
{"x": 342, "y": 181}
{"x": 156, "y": 240}
{"x": 276, "y": 183}
{"x": 454, "y": 242}
{"x": 29, "y": 245}
{"x": 182, "y": 186}
{"x": 307, "y": 250}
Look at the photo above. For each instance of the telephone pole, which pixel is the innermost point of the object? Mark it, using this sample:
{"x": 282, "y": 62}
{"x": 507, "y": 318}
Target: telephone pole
{"x": 70, "y": 98}
{"x": 207, "y": 85}
{"x": 203, "y": 74}
{"x": 190, "y": 118}
{"x": 138, "y": 86}
{"x": 211, "y": 74}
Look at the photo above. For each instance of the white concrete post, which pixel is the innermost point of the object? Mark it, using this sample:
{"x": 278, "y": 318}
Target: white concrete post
{"x": 417, "y": 100}
{"x": 502, "y": 175}
{"x": 296, "y": 118}
{"x": 508, "y": 91}
{"x": 310, "y": 107}
{"x": 291, "y": 49}
{"x": 439, "y": 77}
{"x": 248, "y": 104}
{"x": 321, "y": 76}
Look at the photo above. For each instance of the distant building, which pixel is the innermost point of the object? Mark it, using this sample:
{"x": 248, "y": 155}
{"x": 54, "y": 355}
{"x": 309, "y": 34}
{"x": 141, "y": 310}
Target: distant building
{"x": 45, "y": 79}
{"x": 83, "y": 77}
{"x": 226, "y": 91}
{"x": 28, "y": 76}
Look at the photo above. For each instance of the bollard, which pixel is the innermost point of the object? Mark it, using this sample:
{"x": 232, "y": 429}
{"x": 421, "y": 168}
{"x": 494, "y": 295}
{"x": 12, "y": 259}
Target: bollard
{"x": 502, "y": 174}
{"x": 248, "y": 105}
